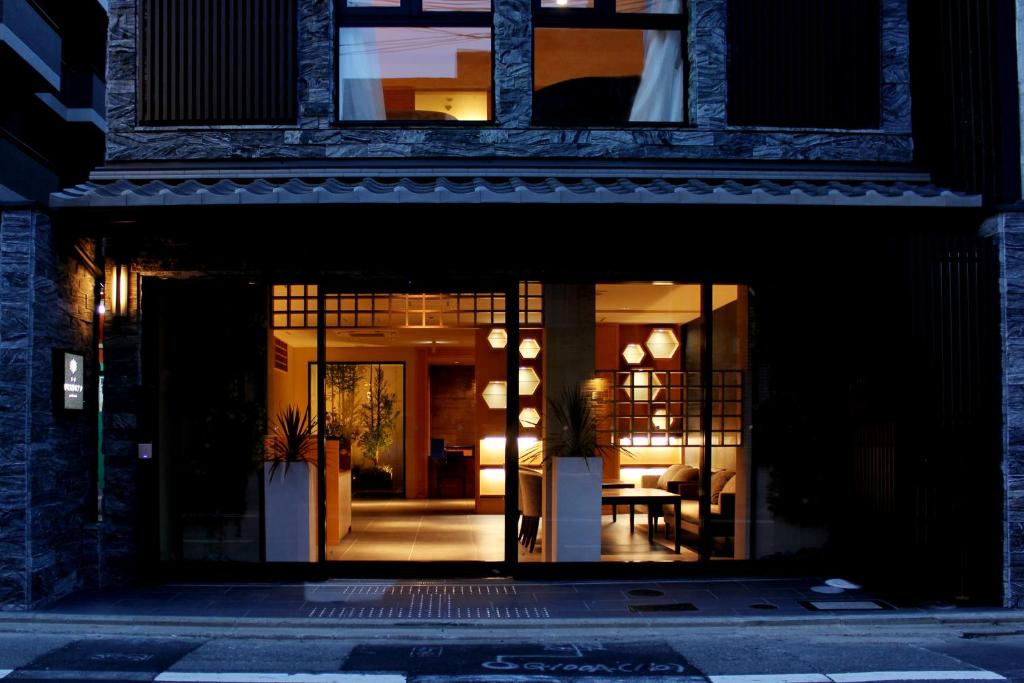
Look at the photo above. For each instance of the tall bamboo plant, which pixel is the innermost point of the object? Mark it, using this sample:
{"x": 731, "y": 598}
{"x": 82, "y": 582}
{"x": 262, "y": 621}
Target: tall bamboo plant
{"x": 379, "y": 416}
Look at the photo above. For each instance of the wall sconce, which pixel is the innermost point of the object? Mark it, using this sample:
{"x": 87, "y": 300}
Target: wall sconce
{"x": 662, "y": 343}
{"x": 528, "y": 381}
{"x": 529, "y": 417}
{"x": 495, "y": 395}
{"x": 633, "y": 353}
{"x": 498, "y": 338}
{"x": 122, "y": 272}
{"x": 529, "y": 348}
{"x": 639, "y": 384}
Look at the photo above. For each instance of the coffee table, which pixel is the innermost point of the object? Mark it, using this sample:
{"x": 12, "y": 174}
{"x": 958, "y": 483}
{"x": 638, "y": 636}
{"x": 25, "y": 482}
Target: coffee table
{"x": 616, "y": 484}
{"x": 648, "y": 497}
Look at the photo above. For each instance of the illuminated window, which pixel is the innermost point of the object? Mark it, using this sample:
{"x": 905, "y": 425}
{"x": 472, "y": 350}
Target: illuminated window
{"x": 418, "y": 60}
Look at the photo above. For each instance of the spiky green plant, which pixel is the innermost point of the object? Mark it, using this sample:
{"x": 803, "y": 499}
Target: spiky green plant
{"x": 293, "y": 440}
{"x": 573, "y": 410}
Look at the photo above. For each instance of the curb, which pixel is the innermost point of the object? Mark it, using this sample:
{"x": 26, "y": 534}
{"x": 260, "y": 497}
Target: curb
{"x": 342, "y": 628}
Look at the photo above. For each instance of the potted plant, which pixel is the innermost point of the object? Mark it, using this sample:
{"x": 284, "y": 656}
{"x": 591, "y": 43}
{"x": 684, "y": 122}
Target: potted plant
{"x": 379, "y": 416}
{"x": 290, "y": 488}
{"x": 572, "y": 459}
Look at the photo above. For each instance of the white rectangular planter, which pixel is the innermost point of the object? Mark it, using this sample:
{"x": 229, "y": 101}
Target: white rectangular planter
{"x": 290, "y": 505}
{"x": 572, "y": 518}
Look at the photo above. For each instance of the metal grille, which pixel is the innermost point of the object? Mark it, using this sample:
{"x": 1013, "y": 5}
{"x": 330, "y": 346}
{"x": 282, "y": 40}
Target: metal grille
{"x": 217, "y": 61}
{"x": 295, "y": 307}
{"x": 813, "y": 63}
{"x": 280, "y": 355}
{"x": 963, "y": 69}
{"x": 645, "y": 407}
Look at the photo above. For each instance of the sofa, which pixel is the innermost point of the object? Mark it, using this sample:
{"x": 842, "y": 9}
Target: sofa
{"x": 685, "y": 480}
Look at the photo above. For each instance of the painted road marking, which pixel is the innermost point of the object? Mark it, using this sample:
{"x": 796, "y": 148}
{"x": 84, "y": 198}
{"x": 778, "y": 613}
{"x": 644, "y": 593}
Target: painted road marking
{"x": 862, "y": 677}
{"x": 771, "y": 678}
{"x": 196, "y": 677}
{"x": 867, "y": 676}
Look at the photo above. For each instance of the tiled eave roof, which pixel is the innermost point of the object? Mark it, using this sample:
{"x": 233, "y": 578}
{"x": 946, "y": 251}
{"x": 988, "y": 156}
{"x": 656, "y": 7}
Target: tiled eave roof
{"x": 511, "y": 190}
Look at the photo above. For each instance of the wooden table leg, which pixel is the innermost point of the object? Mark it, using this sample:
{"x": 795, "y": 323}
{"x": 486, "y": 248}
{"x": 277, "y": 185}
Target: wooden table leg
{"x": 650, "y": 525}
{"x": 615, "y": 510}
{"x": 632, "y": 510}
{"x": 679, "y": 521}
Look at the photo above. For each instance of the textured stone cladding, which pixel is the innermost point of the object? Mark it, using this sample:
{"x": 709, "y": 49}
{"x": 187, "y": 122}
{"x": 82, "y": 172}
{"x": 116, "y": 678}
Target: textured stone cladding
{"x": 1010, "y": 229}
{"x": 317, "y": 136}
{"x": 47, "y": 541}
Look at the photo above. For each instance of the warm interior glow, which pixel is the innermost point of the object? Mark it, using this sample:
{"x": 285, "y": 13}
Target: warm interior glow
{"x": 660, "y": 419}
{"x": 638, "y": 385}
{"x": 464, "y": 106}
{"x": 655, "y": 454}
{"x": 528, "y": 381}
{"x": 498, "y": 338}
{"x": 633, "y": 353}
{"x": 495, "y": 395}
{"x": 529, "y": 417}
{"x": 492, "y": 481}
{"x": 121, "y": 293}
{"x": 662, "y": 343}
{"x": 529, "y": 348}
{"x": 633, "y": 474}
{"x": 492, "y": 448}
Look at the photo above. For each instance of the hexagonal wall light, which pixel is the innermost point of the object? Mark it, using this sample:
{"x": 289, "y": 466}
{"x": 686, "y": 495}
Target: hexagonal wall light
{"x": 662, "y": 343}
{"x": 528, "y": 381}
{"x": 529, "y": 348}
{"x": 633, "y": 353}
{"x": 529, "y": 417}
{"x": 495, "y": 395}
{"x": 498, "y": 338}
{"x": 638, "y": 385}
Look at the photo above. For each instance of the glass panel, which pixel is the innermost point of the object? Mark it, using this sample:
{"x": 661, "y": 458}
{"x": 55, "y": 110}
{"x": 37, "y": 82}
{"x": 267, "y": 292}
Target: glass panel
{"x": 648, "y": 6}
{"x": 406, "y": 74}
{"x": 456, "y": 5}
{"x": 568, "y": 4}
{"x": 607, "y": 77}
{"x": 373, "y": 3}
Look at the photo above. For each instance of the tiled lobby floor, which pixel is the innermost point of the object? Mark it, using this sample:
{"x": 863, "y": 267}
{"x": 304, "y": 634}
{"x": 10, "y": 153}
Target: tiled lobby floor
{"x": 449, "y": 530}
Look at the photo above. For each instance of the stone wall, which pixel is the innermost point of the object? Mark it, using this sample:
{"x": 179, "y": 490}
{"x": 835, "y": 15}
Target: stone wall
{"x": 1008, "y": 229}
{"x": 46, "y": 457}
{"x": 317, "y": 136}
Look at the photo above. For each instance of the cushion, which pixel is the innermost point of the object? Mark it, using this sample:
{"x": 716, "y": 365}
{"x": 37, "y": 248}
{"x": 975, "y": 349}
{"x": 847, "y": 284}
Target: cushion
{"x": 718, "y": 482}
{"x": 730, "y": 486}
{"x": 686, "y": 473}
{"x": 665, "y": 478}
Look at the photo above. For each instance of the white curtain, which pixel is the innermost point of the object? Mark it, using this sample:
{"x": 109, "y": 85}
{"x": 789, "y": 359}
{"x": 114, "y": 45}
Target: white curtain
{"x": 660, "y": 95}
{"x": 361, "y": 95}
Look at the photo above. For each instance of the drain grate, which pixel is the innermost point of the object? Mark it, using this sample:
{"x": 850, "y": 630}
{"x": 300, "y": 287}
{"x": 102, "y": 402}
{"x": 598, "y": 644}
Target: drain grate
{"x": 844, "y": 605}
{"x": 663, "y": 607}
{"x": 430, "y": 607}
{"x": 645, "y": 593}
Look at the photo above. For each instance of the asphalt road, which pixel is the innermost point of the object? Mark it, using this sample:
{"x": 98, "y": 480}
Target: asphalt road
{"x": 726, "y": 654}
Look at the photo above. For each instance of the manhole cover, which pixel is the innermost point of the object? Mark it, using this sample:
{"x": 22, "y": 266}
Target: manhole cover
{"x": 665, "y": 607}
{"x": 645, "y": 593}
{"x": 763, "y": 605}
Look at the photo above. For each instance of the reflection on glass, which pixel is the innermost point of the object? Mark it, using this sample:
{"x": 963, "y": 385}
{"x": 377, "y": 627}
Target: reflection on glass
{"x": 373, "y": 3}
{"x": 435, "y": 74}
{"x": 648, "y": 6}
{"x": 456, "y": 5}
{"x": 607, "y": 76}
{"x": 570, "y": 4}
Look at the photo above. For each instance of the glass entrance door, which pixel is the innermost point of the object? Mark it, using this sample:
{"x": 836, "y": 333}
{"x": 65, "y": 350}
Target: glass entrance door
{"x": 409, "y": 397}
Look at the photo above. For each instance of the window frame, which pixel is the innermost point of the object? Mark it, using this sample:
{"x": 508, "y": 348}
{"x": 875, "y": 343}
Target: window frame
{"x": 603, "y": 15}
{"x": 410, "y": 14}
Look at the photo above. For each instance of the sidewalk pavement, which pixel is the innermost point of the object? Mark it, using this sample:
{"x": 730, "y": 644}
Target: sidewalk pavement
{"x": 495, "y": 604}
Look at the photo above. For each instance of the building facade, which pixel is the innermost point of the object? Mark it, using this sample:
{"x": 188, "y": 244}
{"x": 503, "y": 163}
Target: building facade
{"x": 773, "y": 240}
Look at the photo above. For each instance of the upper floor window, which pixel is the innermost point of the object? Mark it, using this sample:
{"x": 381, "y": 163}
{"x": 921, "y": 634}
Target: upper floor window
{"x": 414, "y": 60}
{"x": 609, "y": 62}
{"x": 208, "y": 62}
{"x": 804, "y": 63}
